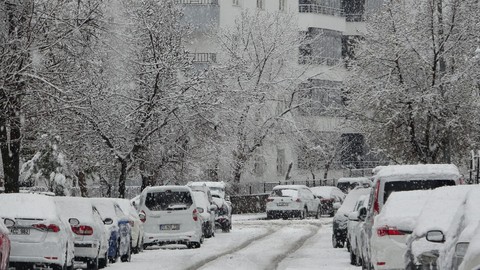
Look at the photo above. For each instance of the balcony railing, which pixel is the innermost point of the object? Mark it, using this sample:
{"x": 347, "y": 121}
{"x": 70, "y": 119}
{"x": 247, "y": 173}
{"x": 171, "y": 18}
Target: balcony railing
{"x": 314, "y": 8}
{"x": 197, "y": 2}
{"x": 203, "y": 58}
{"x": 354, "y": 17}
{"x": 318, "y": 60}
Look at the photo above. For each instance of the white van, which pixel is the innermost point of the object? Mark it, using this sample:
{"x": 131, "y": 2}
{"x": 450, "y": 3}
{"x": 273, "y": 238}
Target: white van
{"x": 170, "y": 216}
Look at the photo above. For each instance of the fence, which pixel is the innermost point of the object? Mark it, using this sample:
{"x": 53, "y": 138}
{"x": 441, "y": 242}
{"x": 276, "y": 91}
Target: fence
{"x": 314, "y": 8}
{"x": 250, "y": 188}
{"x": 197, "y": 2}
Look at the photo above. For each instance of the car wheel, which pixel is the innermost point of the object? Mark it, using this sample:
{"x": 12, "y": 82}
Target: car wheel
{"x": 304, "y": 213}
{"x": 93, "y": 264}
{"x": 336, "y": 242}
{"x": 318, "y": 214}
{"x": 348, "y": 245}
{"x": 103, "y": 262}
{"x": 127, "y": 257}
{"x": 191, "y": 245}
{"x": 353, "y": 258}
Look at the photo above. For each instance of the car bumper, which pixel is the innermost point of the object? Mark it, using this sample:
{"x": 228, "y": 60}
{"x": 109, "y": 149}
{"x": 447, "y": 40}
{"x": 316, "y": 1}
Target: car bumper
{"x": 86, "y": 250}
{"x": 387, "y": 254}
{"x": 172, "y": 238}
{"x": 37, "y": 253}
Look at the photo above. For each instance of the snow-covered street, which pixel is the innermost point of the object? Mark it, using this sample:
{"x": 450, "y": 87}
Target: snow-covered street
{"x": 253, "y": 244}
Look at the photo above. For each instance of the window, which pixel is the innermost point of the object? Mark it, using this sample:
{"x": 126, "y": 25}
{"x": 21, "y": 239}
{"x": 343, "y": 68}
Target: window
{"x": 282, "y": 5}
{"x": 236, "y": 2}
{"x": 168, "y": 200}
{"x": 261, "y": 4}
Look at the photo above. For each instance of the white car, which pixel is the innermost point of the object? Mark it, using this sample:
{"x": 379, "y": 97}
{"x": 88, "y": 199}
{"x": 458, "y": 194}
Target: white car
{"x": 39, "y": 237}
{"x": 91, "y": 242}
{"x": 171, "y": 216}
{"x": 288, "y": 201}
{"x": 135, "y": 223}
{"x": 393, "y": 226}
{"x": 207, "y": 212}
{"x": 471, "y": 259}
{"x": 353, "y": 230}
{"x": 346, "y": 184}
{"x": 328, "y": 197}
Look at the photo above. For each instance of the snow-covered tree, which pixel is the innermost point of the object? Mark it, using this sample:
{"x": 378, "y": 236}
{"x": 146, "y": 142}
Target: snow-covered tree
{"x": 413, "y": 89}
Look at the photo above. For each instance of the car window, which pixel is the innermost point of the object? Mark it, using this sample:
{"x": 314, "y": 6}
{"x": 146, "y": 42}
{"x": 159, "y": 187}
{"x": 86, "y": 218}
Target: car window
{"x": 413, "y": 185}
{"x": 284, "y": 193}
{"x": 168, "y": 200}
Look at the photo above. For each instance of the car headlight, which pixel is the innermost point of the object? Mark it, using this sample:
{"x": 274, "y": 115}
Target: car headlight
{"x": 461, "y": 249}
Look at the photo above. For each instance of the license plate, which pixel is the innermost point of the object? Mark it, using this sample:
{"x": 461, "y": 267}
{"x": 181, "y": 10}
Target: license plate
{"x": 282, "y": 204}
{"x": 20, "y": 231}
{"x": 169, "y": 227}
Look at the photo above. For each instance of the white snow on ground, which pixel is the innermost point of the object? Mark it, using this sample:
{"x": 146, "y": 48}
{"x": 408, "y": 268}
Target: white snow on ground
{"x": 252, "y": 244}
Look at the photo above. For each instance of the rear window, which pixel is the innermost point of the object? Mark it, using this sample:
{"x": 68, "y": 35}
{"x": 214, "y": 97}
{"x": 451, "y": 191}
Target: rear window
{"x": 347, "y": 186}
{"x": 414, "y": 185}
{"x": 284, "y": 193}
{"x": 168, "y": 200}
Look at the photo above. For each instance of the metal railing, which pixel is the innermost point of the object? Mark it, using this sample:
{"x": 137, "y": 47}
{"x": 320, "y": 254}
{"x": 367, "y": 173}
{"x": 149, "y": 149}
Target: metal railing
{"x": 203, "y": 57}
{"x": 197, "y": 2}
{"x": 354, "y": 17}
{"x": 318, "y": 60}
{"x": 314, "y": 8}
{"x": 250, "y": 188}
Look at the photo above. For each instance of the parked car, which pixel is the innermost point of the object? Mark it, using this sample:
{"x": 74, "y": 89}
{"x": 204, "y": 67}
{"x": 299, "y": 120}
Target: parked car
{"x": 39, "y": 237}
{"x": 117, "y": 223}
{"x": 207, "y": 212}
{"x": 171, "y": 216}
{"x": 328, "y": 196}
{"x": 5, "y": 242}
{"x": 471, "y": 260}
{"x": 223, "y": 214}
{"x": 438, "y": 221}
{"x": 393, "y": 226}
{"x": 354, "y": 226}
{"x": 286, "y": 201}
{"x": 136, "y": 224}
{"x": 394, "y": 178}
{"x": 346, "y": 184}
{"x": 91, "y": 242}
{"x": 340, "y": 220}
{"x": 218, "y": 188}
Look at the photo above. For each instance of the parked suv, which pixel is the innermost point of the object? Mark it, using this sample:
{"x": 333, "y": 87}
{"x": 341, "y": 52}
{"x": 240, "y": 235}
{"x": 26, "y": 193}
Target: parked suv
{"x": 288, "y": 201}
{"x": 170, "y": 216}
{"x": 395, "y": 178}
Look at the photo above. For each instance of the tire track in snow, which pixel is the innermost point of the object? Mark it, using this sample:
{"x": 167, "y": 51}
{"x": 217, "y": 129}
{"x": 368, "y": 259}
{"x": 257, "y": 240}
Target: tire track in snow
{"x": 264, "y": 252}
{"x": 296, "y": 247}
{"x": 230, "y": 251}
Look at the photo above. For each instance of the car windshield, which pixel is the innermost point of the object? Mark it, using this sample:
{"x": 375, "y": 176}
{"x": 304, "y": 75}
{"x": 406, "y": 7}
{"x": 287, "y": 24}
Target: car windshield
{"x": 414, "y": 185}
{"x": 284, "y": 193}
{"x": 168, "y": 200}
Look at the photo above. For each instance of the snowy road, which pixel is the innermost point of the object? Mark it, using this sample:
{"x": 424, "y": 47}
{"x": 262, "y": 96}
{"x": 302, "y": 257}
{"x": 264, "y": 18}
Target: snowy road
{"x": 252, "y": 244}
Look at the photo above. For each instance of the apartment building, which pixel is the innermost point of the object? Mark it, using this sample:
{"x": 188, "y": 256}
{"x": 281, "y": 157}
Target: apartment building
{"x": 333, "y": 26}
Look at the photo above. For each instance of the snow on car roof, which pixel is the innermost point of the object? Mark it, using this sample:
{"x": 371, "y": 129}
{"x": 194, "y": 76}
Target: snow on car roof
{"x": 351, "y": 200}
{"x": 441, "y": 209}
{"x": 323, "y": 191}
{"x": 74, "y": 207}
{"x": 353, "y": 179}
{"x": 125, "y": 205}
{"x": 105, "y": 207}
{"x": 420, "y": 171}
{"x": 402, "y": 209}
{"x": 200, "y": 199}
{"x": 163, "y": 188}
{"x": 18, "y": 205}
{"x": 290, "y": 187}
{"x": 208, "y": 183}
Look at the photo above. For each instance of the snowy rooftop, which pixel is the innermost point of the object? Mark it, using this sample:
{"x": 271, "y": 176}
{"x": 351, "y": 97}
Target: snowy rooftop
{"x": 431, "y": 171}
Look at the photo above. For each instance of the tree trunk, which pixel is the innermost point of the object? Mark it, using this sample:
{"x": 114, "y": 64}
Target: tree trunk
{"x": 82, "y": 182}
{"x": 325, "y": 173}
{"x": 122, "y": 179}
{"x": 10, "y": 148}
{"x": 287, "y": 176}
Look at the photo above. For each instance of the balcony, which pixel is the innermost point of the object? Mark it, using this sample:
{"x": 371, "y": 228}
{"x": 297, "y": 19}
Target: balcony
{"x": 203, "y": 58}
{"x": 197, "y": 2}
{"x": 320, "y": 9}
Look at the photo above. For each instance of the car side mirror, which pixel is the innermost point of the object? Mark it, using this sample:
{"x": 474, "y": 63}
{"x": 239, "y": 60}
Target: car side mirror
{"x": 362, "y": 213}
{"x": 200, "y": 210}
{"x": 435, "y": 236}
{"x": 142, "y": 216}
{"x": 74, "y": 222}
{"x": 461, "y": 249}
{"x": 9, "y": 222}
{"x": 108, "y": 221}
{"x": 336, "y": 206}
{"x": 353, "y": 216}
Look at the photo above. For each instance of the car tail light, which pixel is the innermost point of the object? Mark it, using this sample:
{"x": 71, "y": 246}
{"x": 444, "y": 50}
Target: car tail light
{"x": 82, "y": 230}
{"x": 49, "y": 228}
{"x": 195, "y": 214}
{"x": 144, "y": 216}
{"x": 386, "y": 230}
{"x": 376, "y": 205}
{"x": 269, "y": 200}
